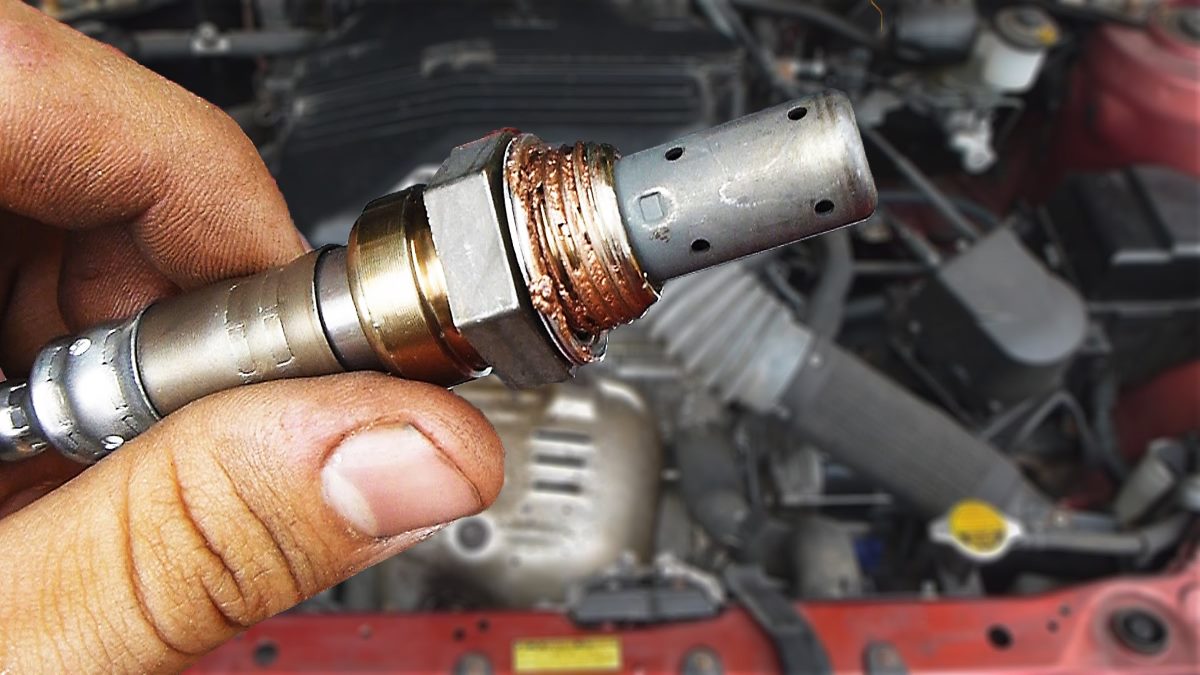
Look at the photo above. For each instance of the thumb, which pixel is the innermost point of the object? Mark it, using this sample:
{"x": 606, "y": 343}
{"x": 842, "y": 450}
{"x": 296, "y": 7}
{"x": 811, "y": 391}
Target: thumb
{"x": 234, "y": 508}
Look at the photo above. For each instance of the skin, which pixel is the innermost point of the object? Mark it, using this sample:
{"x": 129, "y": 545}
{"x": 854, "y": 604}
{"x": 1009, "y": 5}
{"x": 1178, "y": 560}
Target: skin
{"x": 118, "y": 188}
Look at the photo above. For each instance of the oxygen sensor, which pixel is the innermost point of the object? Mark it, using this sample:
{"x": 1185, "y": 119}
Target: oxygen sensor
{"x": 517, "y": 258}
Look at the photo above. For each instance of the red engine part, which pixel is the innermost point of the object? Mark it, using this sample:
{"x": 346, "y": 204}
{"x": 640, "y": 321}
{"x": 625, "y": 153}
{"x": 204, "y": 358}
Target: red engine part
{"x": 1135, "y": 98}
{"x": 1167, "y": 406}
{"x": 1087, "y": 629}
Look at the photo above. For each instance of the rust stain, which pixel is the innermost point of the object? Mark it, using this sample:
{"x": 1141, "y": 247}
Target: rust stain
{"x": 582, "y": 277}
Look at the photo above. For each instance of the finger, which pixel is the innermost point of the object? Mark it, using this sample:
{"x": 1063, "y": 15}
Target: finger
{"x": 232, "y": 509}
{"x": 31, "y": 315}
{"x": 24, "y": 482}
{"x": 105, "y": 277}
{"x": 29, "y": 264}
{"x": 88, "y": 138}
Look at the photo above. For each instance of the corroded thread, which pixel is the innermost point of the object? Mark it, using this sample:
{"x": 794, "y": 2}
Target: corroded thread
{"x": 580, "y": 269}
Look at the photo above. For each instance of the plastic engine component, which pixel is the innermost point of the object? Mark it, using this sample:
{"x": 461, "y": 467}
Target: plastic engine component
{"x": 995, "y": 324}
{"x": 1132, "y": 233}
{"x": 863, "y": 418}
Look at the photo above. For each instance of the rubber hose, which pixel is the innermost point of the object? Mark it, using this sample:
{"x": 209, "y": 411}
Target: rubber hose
{"x": 937, "y": 198}
{"x": 712, "y": 491}
{"x": 908, "y": 447}
{"x": 811, "y": 13}
{"x": 828, "y": 304}
{"x": 709, "y": 485}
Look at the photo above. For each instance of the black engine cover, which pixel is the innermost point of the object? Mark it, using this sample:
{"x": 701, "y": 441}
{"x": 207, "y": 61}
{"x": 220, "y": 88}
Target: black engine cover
{"x": 996, "y": 325}
{"x": 1132, "y": 234}
{"x": 381, "y": 105}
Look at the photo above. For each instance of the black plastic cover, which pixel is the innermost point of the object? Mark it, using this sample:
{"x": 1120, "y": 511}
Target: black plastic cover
{"x": 1131, "y": 234}
{"x": 996, "y": 324}
{"x": 404, "y": 82}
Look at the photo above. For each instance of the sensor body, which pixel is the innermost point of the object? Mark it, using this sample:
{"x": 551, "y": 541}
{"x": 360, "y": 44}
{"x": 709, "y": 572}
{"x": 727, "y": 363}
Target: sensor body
{"x": 517, "y": 258}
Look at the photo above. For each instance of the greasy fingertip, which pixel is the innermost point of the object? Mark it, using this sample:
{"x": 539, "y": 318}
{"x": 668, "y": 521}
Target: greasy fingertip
{"x": 329, "y": 412}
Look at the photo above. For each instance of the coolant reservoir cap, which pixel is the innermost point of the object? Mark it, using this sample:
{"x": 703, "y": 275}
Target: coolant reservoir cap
{"x": 977, "y": 529}
{"x": 1027, "y": 28}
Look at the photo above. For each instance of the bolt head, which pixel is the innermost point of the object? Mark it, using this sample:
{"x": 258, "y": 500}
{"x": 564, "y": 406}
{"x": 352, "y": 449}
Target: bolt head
{"x": 468, "y": 220}
{"x": 473, "y": 534}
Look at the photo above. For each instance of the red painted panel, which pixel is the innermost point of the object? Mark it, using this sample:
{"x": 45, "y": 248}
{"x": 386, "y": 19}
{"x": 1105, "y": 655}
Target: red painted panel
{"x": 1061, "y": 632}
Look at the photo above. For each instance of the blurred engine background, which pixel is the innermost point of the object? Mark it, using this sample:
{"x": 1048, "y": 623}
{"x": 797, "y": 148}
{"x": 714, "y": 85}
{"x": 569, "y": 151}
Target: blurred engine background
{"x": 1015, "y": 331}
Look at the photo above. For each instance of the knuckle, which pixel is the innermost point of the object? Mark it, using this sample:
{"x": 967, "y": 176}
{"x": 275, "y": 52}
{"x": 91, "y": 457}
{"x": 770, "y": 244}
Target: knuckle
{"x": 203, "y": 563}
{"x": 223, "y": 135}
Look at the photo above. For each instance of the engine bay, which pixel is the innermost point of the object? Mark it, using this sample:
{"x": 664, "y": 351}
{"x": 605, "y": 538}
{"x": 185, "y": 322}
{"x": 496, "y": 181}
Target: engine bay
{"x": 964, "y": 433}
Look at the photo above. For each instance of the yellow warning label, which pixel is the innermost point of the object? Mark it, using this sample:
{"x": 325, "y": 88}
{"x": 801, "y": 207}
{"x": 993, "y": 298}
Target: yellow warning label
{"x": 978, "y": 526}
{"x": 550, "y": 655}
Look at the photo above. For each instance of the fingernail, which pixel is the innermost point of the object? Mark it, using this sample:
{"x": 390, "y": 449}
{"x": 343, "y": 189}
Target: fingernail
{"x": 390, "y": 480}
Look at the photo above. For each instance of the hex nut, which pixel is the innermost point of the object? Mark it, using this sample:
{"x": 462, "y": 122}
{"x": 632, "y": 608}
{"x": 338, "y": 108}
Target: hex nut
{"x": 467, "y": 218}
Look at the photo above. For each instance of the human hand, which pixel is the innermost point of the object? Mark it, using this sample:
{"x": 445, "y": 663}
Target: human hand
{"x": 117, "y": 188}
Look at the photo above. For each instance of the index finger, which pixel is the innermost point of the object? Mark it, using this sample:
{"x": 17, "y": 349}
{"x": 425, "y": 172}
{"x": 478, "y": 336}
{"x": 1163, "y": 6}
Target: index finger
{"x": 88, "y": 139}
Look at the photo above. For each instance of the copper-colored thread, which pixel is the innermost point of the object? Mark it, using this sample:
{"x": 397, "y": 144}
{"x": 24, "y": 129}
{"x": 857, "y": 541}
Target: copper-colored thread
{"x": 581, "y": 271}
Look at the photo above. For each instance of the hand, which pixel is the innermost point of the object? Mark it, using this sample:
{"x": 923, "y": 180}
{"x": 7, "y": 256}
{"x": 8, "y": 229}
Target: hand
{"x": 116, "y": 188}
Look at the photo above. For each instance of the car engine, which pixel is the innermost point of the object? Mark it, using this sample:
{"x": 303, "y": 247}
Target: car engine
{"x": 988, "y": 390}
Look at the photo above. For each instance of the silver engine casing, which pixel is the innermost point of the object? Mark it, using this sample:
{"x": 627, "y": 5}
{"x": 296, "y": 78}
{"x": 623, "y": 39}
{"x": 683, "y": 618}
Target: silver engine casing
{"x": 581, "y": 489}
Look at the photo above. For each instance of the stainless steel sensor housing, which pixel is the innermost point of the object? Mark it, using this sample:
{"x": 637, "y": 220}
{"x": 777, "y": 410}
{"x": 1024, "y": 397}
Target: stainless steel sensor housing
{"x": 517, "y": 258}
{"x": 84, "y": 396}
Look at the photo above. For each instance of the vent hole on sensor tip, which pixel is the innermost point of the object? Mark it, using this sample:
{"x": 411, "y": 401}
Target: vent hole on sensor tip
{"x": 673, "y": 154}
{"x": 701, "y": 245}
{"x": 797, "y": 113}
{"x": 823, "y": 207}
